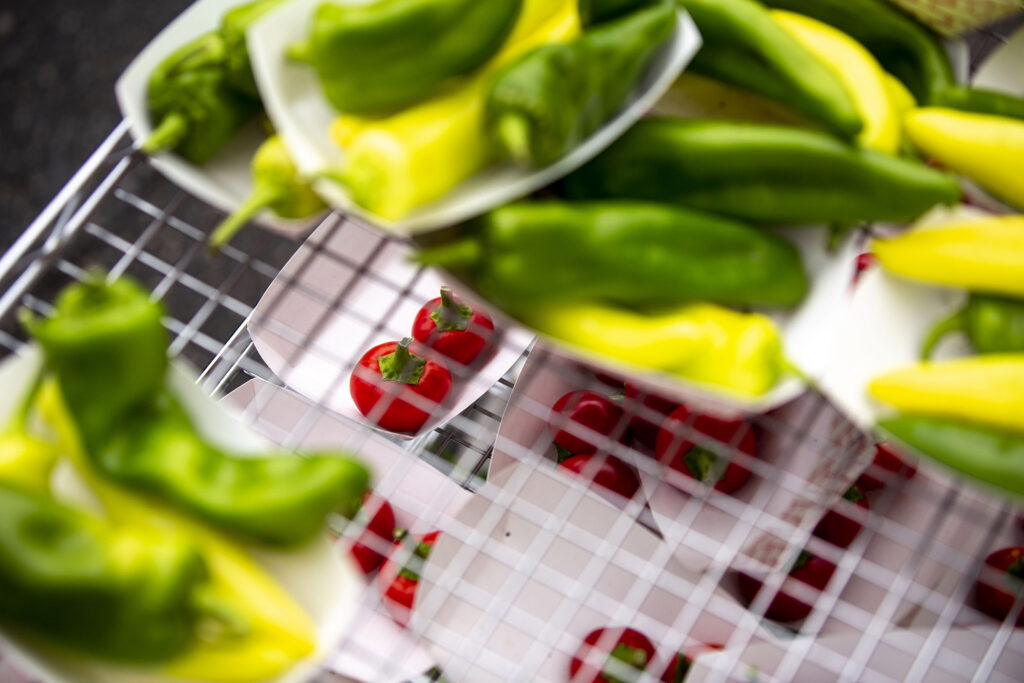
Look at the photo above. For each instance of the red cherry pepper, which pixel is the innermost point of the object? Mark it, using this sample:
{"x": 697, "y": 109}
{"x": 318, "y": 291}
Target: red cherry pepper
{"x": 809, "y": 569}
{"x": 640, "y": 403}
{"x": 411, "y": 386}
{"x": 621, "y": 653}
{"x": 996, "y": 597}
{"x": 589, "y": 410}
{"x": 378, "y": 533}
{"x": 453, "y": 328}
{"x": 399, "y": 577}
{"x": 676, "y": 448}
{"x": 682, "y": 661}
{"x": 837, "y": 528}
{"x": 886, "y": 466}
{"x": 608, "y": 472}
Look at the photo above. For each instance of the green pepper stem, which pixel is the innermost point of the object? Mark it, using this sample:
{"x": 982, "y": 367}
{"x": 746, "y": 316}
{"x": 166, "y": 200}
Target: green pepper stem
{"x": 167, "y": 135}
{"x": 230, "y": 226}
{"x": 401, "y": 365}
{"x": 461, "y": 254}
{"x": 514, "y": 134}
{"x": 451, "y": 315}
{"x": 954, "y": 323}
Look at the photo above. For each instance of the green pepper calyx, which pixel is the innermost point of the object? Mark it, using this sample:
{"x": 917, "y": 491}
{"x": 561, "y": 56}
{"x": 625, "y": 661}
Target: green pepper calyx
{"x": 1016, "y": 569}
{"x": 802, "y": 559}
{"x": 683, "y": 664}
{"x": 450, "y": 315}
{"x": 854, "y": 495}
{"x": 700, "y": 461}
{"x": 401, "y": 365}
{"x": 625, "y": 664}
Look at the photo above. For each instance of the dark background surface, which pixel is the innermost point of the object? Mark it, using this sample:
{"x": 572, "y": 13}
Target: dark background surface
{"x": 58, "y": 64}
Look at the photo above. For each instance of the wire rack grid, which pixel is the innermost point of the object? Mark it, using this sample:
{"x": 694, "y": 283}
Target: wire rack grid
{"x": 533, "y": 558}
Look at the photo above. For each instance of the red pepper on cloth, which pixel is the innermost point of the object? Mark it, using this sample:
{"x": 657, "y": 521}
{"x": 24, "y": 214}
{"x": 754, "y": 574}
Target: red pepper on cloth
{"x": 589, "y": 410}
{"x": 996, "y": 598}
{"x": 809, "y": 569}
{"x": 606, "y": 472}
{"x": 400, "y": 575}
{"x": 378, "y": 533}
{"x": 676, "y": 446}
{"x": 640, "y": 405}
{"x": 839, "y": 529}
{"x": 886, "y": 466}
{"x": 682, "y": 661}
{"x": 621, "y": 653}
{"x": 453, "y": 328}
{"x": 411, "y": 386}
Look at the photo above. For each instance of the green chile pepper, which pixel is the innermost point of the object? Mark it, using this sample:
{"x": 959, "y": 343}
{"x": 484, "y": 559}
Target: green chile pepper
{"x": 599, "y": 11}
{"x": 106, "y": 345}
{"x": 389, "y": 54}
{"x": 630, "y": 253}
{"x": 761, "y": 173}
{"x": 277, "y": 186}
{"x": 989, "y": 455}
{"x": 744, "y": 46}
{"x": 191, "y": 98}
{"x": 233, "y": 27}
{"x": 106, "y": 592}
{"x": 993, "y": 324}
{"x": 981, "y": 101}
{"x": 906, "y": 48}
{"x": 549, "y": 100}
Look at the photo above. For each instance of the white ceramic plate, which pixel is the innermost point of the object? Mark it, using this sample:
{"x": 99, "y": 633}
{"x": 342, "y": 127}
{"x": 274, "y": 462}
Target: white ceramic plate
{"x": 225, "y": 180}
{"x": 292, "y": 95}
{"x": 320, "y": 578}
{"x": 347, "y": 289}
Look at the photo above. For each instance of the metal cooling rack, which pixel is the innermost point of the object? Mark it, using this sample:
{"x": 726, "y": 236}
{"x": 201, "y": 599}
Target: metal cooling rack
{"x": 118, "y": 214}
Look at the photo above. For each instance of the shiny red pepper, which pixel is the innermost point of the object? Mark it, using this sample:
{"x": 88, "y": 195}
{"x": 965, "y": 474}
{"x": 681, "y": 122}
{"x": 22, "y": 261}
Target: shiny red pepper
{"x": 412, "y": 387}
{"x": 996, "y": 598}
{"x": 621, "y": 653}
{"x": 682, "y": 661}
{"x": 588, "y": 410}
{"x": 839, "y": 529}
{"x": 400, "y": 575}
{"x": 606, "y": 472}
{"x": 639, "y": 405}
{"x": 809, "y": 569}
{"x": 453, "y": 328}
{"x": 677, "y": 448}
{"x": 378, "y": 533}
{"x": 886, "y": 466}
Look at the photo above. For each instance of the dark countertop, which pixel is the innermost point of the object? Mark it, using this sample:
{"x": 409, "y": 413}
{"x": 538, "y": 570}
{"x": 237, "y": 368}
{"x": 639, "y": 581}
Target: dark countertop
{"x": 58, "y": 64}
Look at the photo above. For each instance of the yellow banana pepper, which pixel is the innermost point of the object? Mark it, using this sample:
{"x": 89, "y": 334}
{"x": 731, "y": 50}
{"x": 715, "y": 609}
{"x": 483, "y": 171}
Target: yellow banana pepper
{"x": 396, "y": 164}
{"x": 984, "y": 255}
{"x": 279, "y": 633}
{"x": 987, "y": 390}
{"x": 987, "y": 149}
{"x": 857, "y": 69}
{"x": 740, "y": 353}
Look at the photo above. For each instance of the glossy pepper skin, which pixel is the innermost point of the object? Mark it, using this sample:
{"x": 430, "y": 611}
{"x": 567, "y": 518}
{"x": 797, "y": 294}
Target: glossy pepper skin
{"x": 412, "y": 387}
{"x": 981, "y": 101}
{"x": 112, "y": 593}
{"x": 810, "y": 569}
{"x": 589, "y": 410}
{"x": 739, "y": 354}
{"x": 993, "y": 324}
{"x": 626, "y": 653}
{"x": 886, "y": 466}
{"x": 194, "y": 106}
{"x": 276, "y": 186}
{"x": 453, "y": 328}
{"x": 981, "y": 255}
{"x": 636, "y": 254}
{"x": 382, "y": 56}
{"x": 606, "y": 472}
{"x": 997, "y": 599}
{"x": 906, "y": 48}
{"x": 681, "y": 447}
{"x": 643, "y": 407}
{"x": 369, "y": 550}
{"x": 107, "y": 347}
{"x": 991, "y": 455}
{"x": 400, "y": 575}
{"x": 744, "y": 46}
{"x": 839, "y": 529}
{"x": 233, "y": 25}
{"x": 543, "y": 104}
{"x": 765, "y": 174}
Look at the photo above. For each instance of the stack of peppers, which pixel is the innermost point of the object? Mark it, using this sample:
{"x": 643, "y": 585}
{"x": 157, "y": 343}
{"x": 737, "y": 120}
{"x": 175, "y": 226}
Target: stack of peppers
{"x": 161, "y": 580}
{"x": 968, "y": 412}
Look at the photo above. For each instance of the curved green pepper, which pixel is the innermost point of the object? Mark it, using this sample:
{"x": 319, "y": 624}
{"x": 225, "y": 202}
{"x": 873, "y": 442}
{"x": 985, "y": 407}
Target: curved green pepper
{"x": 106, "y": 345}
{"x": 761, "y": 173}
{"x": 993, "y": 324}
{"x": 906, "y": 48}
{"x": 599, "y": 11}
{"x": 386, "y": 55}
{"x": 277, "y": 186}
{"x": 744, "y": 46}
{"x": 233, "y": 27}
{"x": 981, "y": 101}
{"x": 549, "y": 100}
{"x": 631, "y": 253}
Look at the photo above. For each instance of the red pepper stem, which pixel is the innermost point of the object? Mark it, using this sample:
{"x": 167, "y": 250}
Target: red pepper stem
{"x": 229, "y": 227}
{"x": 167, "y": 135}
{"x": 450, "y": 315}
{"x": 401, "y": 365}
